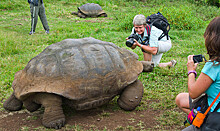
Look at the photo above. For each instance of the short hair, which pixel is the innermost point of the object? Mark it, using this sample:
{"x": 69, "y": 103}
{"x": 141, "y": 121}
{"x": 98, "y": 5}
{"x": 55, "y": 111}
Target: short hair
{"x": 139, "y": 20}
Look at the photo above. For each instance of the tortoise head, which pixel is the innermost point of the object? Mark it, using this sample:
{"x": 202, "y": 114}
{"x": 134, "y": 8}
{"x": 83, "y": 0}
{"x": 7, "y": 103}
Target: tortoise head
{"x": 147, "y": 66}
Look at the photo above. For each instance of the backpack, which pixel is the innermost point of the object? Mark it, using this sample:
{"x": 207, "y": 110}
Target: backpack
{"x": 159, "y": 21}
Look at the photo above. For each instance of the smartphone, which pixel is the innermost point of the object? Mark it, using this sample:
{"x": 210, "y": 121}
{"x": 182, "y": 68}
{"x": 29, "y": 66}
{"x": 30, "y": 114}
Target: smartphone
{"x": 197, "y": 58}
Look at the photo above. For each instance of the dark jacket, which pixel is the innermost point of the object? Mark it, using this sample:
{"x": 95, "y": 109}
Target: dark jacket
{"x": 34, "y": 2}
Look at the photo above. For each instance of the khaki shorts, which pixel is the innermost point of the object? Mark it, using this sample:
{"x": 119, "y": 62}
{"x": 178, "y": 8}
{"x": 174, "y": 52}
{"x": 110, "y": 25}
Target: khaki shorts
{"x": 163, "y": 47}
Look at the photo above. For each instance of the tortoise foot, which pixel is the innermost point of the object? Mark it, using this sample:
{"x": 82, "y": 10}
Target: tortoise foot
{"x": 131, "y": 96}
{"x": 81, "y": 15}
{"x": 53, "y": 113}
{"x": 12, "y": 103}
{"x": 54, "y": 120}
{"x": 56, "y": 124}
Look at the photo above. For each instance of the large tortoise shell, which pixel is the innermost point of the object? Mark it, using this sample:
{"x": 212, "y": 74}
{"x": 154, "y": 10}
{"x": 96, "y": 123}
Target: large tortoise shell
{"x": 78, "y": 69}
{"x": 91, "y": 9}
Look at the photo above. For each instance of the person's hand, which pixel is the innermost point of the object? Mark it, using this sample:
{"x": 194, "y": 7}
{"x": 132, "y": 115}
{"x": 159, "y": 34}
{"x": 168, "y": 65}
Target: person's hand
{"x": 136, "y": 43}
{"x": 190, "y": 64}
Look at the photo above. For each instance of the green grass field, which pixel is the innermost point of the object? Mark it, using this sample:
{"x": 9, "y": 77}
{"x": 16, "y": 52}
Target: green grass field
{"x": 188, "y": 21}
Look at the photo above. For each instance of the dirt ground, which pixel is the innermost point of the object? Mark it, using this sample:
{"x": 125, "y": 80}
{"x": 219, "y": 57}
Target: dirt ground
{"x": 94, "y": 119}
{"x": 90, "y": 119}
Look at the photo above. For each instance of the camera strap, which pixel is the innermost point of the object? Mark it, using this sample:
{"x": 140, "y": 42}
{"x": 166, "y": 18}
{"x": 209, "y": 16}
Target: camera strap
{"x": 204, "y": 57}
{"x": 199, "y": 119}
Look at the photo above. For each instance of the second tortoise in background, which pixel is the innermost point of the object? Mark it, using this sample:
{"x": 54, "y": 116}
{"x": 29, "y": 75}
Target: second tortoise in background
{"x": 90, "y": 10}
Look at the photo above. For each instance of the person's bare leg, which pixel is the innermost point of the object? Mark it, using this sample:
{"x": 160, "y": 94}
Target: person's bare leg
{"x": 182, "y": 101}
{"x": 169, "y": 64}
{"x": 147, "y": 56}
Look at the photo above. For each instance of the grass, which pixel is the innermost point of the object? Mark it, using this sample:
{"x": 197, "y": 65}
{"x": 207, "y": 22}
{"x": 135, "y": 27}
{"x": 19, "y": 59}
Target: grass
{"x": 188, "y": 22}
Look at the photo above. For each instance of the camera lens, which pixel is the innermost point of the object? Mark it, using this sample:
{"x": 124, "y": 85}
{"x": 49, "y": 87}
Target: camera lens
{"x": 130, "y": 42}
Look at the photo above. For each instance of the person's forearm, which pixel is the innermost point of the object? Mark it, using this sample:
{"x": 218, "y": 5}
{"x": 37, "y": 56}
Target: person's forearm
{"x": 151, "y": 50}
{"x": 191, "y": 82}
{"x": 148, "y": 49}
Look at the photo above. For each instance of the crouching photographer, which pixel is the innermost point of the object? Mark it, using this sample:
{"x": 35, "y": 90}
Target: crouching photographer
{"x": 147, "y": 40}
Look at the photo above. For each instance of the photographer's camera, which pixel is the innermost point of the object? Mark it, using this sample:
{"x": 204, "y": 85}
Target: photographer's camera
{"x": 198, "y": 58}
{"x": 131, "y": 39}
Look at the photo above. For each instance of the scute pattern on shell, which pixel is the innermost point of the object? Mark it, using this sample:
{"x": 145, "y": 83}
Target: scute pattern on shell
{"x": 79, "y": 69}
{"x": 91, "y": 9}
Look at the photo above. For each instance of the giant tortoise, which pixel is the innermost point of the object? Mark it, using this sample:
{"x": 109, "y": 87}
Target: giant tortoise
{"x": 90, "y": 10}
{"x": 82, "y": 73}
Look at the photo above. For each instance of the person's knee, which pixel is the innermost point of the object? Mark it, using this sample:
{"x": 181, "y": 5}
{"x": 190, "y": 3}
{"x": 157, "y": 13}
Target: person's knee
{"x": 164, "y": 46}
{"x": 178, "y": 100}
{"x": 182, "y": 100}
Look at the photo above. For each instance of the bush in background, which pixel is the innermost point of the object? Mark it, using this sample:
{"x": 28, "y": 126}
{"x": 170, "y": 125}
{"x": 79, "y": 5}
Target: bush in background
{"x": 213, "y": 2}
{"x": 184, "y": 16}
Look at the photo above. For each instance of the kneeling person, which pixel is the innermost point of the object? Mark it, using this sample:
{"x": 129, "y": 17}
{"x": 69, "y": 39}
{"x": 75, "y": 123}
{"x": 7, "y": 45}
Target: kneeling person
{"x": 152, "y": 48}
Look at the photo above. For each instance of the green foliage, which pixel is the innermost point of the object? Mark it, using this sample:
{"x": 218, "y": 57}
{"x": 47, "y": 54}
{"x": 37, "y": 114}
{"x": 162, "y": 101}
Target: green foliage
{"x": 213, "y": 2}
{"x": 12, "y": 4}
{"x": 182, "y": 17}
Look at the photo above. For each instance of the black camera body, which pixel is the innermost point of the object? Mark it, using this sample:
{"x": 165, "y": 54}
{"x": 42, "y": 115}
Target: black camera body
{"x": 198, "y": 58}
{"x": 130, "y": 40}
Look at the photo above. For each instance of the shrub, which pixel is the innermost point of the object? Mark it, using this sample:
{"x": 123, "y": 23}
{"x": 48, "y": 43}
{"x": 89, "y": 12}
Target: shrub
{"x": 213, "y": 2}
{"x": 180, "y": 17}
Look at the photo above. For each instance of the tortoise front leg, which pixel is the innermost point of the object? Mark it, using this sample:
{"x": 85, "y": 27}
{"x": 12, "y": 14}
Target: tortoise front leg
{"x": 12, "y": 103}
{"x": 81, "y": 15}
{"x": 30, "y": 105}
{"x": 53, "y": 114}
{"x": 131, "y": 96}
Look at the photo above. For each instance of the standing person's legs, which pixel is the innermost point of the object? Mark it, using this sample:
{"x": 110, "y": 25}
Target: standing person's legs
{"x": 43, "y": 17}
{"x": 34, "y": 12}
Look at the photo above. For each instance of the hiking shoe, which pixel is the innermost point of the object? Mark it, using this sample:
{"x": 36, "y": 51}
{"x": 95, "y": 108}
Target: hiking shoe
{"x": 31, "y": 32}
{"x": 173, "y": 62}
{"x": 47, "y": 32}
